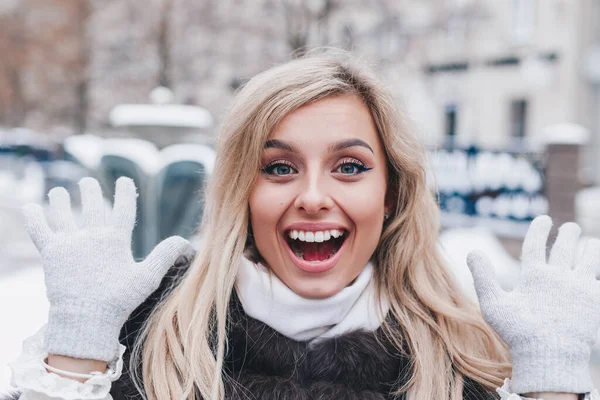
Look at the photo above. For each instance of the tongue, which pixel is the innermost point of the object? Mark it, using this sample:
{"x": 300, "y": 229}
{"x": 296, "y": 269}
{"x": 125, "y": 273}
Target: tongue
{"x": 318, "y": 251}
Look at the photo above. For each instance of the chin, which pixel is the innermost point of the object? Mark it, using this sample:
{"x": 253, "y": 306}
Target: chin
{"x": 316, "y": 289}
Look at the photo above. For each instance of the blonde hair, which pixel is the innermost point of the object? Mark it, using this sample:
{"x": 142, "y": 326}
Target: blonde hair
{"x": 182, "y": 346}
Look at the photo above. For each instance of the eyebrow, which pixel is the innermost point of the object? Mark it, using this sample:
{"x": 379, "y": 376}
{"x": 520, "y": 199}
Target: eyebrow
{"x": 344, "y": 144}
{"x": 278, "y": 144}
{"x": 341, "y": 145}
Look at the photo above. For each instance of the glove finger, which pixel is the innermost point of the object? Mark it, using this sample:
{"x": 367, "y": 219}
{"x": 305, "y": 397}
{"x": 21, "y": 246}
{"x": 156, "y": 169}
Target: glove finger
{"x": 488, "y": 290}
{"x": 534, "y": 245}
{"x": 92, "y": 202}
{"x": 36, "y": 225}
{"x": 563, "y": 250}
{"x": 163, "y": 257}
{"x": 124, "y": 210}
{"x": 590, "y": 260}
{"x": 60, "y": 215}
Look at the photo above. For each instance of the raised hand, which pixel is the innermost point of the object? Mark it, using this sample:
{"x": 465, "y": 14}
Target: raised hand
{"x": 551, "y": 318}
{"x": 92, "y": 281}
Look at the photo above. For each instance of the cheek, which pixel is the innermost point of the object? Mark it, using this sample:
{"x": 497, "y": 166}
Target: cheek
{"x": 365, "y": 210}
{"x": 364, "y": 204}
{"x": 365, "y": 207}
{"x": 267, "y": 206}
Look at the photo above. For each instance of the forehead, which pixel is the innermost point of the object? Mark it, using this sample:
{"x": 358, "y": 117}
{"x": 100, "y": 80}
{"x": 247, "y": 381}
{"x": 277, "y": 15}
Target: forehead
{"x": 331, "y": 119}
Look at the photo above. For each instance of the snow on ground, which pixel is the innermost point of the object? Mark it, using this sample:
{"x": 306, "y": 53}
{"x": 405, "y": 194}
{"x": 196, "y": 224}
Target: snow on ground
{"x": 457, "y": 243}
{"x": 23, "y": 304}
{"x": 24, "y": 310}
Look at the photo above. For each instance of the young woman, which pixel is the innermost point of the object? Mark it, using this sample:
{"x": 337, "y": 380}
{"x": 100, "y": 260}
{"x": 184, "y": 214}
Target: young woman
{"x": 317, "y": 275}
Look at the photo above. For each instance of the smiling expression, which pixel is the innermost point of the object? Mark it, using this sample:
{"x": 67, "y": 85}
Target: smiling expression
{"x": 318, "y": 205}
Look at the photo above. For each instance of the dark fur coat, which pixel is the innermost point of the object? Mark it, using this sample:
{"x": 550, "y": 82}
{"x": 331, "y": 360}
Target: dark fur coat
{"x": 263, "y": 364}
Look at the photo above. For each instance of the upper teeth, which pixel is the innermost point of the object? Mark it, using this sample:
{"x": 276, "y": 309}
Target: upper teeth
{"x": 319, "y": 236}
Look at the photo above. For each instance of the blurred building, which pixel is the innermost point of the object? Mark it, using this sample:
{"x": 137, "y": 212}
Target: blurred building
{"x": 499, "y": 73}
{"x": 493, "y": 73}
{"x": 511, "y": 76}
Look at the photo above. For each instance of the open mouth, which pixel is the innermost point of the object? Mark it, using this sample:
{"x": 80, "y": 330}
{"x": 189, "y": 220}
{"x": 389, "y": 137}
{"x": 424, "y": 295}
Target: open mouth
{"x": 315, "y": 246}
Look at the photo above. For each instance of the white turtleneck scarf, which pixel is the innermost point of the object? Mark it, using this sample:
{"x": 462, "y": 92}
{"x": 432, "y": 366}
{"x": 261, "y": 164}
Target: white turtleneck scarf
{"x": 267, "y": 299}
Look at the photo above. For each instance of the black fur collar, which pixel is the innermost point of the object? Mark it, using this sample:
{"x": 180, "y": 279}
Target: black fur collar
{"x": 261, "y": 363}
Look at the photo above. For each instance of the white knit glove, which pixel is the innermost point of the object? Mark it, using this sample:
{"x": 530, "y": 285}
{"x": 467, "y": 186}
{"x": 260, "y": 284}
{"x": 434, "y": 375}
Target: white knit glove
{"x": 92, "y": 280}
{"x": 551, "y": 318}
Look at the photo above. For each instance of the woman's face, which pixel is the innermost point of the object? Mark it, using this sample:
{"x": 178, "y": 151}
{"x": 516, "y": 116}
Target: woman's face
{"x": 317, "y": 208}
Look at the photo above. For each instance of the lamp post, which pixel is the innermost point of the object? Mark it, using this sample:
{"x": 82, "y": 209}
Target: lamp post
{"x": 591, "y": 73}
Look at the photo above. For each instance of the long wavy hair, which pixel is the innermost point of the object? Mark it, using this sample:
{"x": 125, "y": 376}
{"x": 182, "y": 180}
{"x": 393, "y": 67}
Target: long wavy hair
{"x": 183, "y": 344}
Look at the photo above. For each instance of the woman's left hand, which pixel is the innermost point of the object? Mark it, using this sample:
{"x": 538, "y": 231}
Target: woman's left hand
{"x": 551, "y": 319}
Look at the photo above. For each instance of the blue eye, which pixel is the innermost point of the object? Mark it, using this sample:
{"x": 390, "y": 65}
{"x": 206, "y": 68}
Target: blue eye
{"x": 352, "y": 168}
{"x": 279, "y": 169}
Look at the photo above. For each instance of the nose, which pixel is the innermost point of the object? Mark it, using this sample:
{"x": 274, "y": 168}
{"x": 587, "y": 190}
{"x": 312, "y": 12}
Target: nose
{"x": 314, "y": 196}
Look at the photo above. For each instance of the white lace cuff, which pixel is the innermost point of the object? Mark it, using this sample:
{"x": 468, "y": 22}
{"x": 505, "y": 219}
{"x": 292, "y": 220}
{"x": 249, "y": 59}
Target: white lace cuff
{"x": 505, "y": 393}
{"x": 30, "y": 376}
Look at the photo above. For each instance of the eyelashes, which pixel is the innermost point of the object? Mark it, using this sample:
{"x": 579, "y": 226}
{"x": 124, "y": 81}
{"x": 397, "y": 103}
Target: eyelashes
{"x": 352, "y": 166}
{"x": 279, "y": 168}
{"x": 346, "y": 167}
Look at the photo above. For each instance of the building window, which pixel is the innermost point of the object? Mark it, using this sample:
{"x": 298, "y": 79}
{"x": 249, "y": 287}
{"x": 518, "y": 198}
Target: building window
{"x": 518, "y": 118}
{"x": 450, "y": 116}
{"x": 523, "y": 20}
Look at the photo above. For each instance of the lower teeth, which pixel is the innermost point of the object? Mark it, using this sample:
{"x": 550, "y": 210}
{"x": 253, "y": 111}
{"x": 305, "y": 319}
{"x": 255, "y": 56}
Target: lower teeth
{"x": 316, "y": 251}
{"x": 300, "y": 254}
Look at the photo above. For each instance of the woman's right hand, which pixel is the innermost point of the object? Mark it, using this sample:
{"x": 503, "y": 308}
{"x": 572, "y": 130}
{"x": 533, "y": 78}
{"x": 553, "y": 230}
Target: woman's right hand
{"x": 92, "y": 281}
